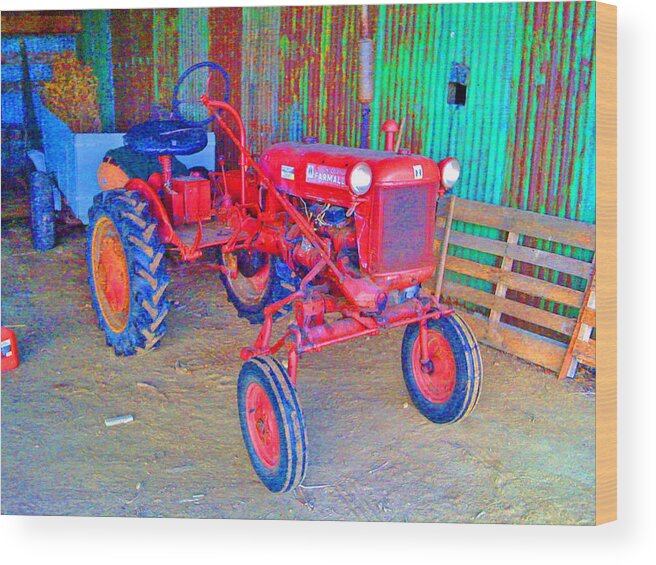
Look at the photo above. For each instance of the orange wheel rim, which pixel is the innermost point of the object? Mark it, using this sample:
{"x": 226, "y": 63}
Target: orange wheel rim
{"x": 110, "y": 275}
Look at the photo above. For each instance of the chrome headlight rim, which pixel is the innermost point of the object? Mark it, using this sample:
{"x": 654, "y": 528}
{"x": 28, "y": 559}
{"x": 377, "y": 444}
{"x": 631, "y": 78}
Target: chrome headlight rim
{"x": 360, "y": 178}
{"x": 449, "y": 171}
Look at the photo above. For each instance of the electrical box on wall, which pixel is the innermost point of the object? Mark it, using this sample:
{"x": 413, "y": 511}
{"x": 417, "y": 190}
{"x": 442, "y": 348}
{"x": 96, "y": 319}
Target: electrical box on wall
{"x": 458, "y": 83}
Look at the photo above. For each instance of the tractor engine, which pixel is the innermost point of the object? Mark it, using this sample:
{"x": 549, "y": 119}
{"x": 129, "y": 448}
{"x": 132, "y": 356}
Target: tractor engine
{"x": 376, "y": 208}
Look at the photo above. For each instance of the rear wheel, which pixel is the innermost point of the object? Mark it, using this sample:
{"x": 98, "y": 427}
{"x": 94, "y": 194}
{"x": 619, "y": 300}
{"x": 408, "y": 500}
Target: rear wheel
{"x": 446, "y": 388}
{"x": 272, "y": 424}
{"x": 42, "y": 211}
{"x": 126, "y": 271}
{"x": 256, "y": 280}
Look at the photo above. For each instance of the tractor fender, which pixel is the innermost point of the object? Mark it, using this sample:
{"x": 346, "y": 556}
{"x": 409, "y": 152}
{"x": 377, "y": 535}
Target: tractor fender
{"x": 157, "y": 210}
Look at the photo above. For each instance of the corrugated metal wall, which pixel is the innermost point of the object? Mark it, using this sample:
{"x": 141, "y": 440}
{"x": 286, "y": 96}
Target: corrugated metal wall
{"x": 165, "y": 55}
{"x": 527, "y": 128}
{"x": 553, "y": 143}
{"x": 259, "y": 75}
{"x": 133, "y": 65}
{"x": 525, "y": 136}
{"x": 93, "y": 45}
{"x": 318, "y": 73}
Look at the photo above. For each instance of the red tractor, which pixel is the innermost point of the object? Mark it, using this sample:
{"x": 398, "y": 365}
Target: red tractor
{"x": 336, "y": 239}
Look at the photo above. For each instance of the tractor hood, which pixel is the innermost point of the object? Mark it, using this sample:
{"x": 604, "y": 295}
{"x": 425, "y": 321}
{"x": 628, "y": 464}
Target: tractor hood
{"x": 322, "y": 172}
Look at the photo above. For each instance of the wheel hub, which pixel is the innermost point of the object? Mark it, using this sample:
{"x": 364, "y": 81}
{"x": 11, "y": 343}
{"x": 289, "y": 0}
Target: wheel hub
{"x": 436, "y": 377}
{"x": 110, "y": 272}
{"x": 250, "y": 262}
{"x": 262, "y": 426}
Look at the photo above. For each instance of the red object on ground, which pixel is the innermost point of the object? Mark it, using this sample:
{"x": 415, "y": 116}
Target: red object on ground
{"x": 9, "y": 348}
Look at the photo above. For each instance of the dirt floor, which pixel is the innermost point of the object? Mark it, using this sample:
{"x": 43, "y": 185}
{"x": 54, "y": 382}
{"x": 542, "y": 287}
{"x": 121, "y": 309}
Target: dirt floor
{"x": 526, "y": 455}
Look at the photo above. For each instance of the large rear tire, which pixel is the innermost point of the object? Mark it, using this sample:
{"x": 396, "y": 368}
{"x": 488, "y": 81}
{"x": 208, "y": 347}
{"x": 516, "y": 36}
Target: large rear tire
{"x": 448, "y": 388}
{"x": 126, "y": 271}
{"x": 256, "y": 280}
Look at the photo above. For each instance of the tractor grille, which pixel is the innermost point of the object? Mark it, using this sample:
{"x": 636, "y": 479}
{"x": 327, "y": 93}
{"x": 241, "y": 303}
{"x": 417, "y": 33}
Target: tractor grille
{"x": 406, "y": 236}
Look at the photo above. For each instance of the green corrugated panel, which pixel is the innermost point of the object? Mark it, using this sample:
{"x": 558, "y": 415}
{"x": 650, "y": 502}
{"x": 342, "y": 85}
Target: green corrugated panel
{"x": 95, "y": 45}
{"x": 165, "y": 55}
{"x": 554, "y": 157}
{"x": 259, "y": 81}
{"x": 194, "y": 40}
{"x": 416, "y": 46}
{"x": 193, "y": 48}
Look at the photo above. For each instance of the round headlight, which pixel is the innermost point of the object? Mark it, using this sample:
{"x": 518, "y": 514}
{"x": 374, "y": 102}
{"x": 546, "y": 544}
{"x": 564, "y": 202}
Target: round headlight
{"x": 360, "y": 179}
{"x": 450, "y": 169}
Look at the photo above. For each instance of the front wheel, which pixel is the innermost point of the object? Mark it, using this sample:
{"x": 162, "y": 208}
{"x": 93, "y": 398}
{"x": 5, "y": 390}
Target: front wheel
{"x": 272, "y": 424}
{"x": 446, "y": 388}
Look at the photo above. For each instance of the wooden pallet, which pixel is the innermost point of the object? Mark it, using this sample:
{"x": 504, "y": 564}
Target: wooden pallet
{"x": 582, "y": 347}
{"x": 505, "y": 312}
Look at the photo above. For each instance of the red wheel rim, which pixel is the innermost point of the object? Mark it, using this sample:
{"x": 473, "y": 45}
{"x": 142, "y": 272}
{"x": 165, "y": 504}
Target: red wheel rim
{"x": 110, "y": 273}
{"x": 262, "y": 426}
{"x": 437, "y": 381}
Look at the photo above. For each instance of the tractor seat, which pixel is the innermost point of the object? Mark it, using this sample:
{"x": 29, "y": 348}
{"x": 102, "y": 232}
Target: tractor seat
{"x": 166, "y": 137}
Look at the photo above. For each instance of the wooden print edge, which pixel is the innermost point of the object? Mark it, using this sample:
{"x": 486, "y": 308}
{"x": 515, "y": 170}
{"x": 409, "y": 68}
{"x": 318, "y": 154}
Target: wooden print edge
{"x": 606, "y": 197}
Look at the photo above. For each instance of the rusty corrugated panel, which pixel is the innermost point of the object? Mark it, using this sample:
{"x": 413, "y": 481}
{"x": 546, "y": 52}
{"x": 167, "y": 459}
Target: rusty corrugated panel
{"x": 132, "y": 57}
{"x": 193, "y": 48}
{"x": 225, "y": 30}
{"x": 554, "y": 147}
{"x": 319, "y": 73}
{"x": 193, "y": 30}
{"x": 225, "y": 26}
{"x": 151, "y": 48}
{"x": 259, "y": 79}
{"x": 417, "y": 50}
{"x": 165, "y": 55}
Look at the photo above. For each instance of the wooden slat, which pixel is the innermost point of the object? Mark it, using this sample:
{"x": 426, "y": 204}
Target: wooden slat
{"x": 550, "y": 228}
{"x": 517, "y": 310}
{"x": 537, "y": 257}
{"x": 516, "y": 281}
{"x": 589, "y": 317}
{"x": 585, "y": 352}
{"x": 581, "y": 332}
{"x": 506, "y": 267}
{"x": 444, "y": 249}
{"x": 541, "y": 351}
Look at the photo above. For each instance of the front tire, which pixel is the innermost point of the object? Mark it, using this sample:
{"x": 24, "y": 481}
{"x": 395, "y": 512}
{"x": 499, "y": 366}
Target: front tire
{"x": 126, "y": 271}
{"x": 272, "y": 424}
{"x": 448, "y": 388}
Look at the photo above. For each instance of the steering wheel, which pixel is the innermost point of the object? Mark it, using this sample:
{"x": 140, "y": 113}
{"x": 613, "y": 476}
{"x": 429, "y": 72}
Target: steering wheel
{"x": 194, "y": 82}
